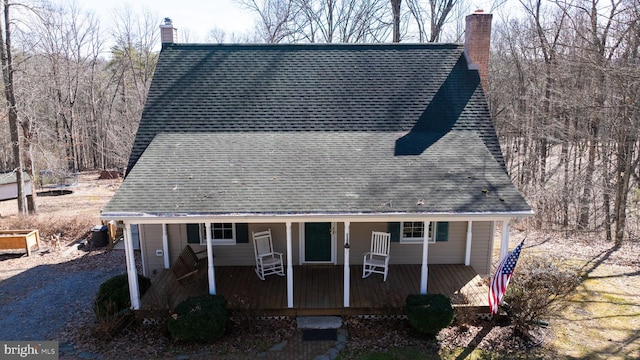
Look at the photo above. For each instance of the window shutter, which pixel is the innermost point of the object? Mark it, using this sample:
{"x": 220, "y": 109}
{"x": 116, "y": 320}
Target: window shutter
{"x": 442, "y": 231}
{"x": 242, "y": 233}
{"x": 193, "y": 233}
{"x": 394, "y": 229}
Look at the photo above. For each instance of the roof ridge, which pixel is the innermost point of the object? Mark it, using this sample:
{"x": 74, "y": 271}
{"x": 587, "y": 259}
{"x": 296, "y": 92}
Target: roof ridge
{"x": 323, "y": 46}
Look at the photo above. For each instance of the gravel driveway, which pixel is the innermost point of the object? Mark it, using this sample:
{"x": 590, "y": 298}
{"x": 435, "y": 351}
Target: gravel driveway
{"x": 43, "y": 293}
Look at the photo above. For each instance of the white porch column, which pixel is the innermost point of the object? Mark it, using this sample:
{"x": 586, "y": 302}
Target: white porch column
{"x": 467, "y": 254}
{"x": 424, "y": 273}
{"x": 132, "y": 273}
{"x": 165, "y": 246}
{"x": 289, "y": 268}
{"x": 504, "y": 245}
{"x": 143, "y": 255}
{"x": 347, "y": 272}
{"x": 210, "y": 269}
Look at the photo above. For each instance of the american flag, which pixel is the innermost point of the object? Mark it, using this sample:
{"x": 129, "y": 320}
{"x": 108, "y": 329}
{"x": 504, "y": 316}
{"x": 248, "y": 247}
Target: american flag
{"x": 501, "y": 278}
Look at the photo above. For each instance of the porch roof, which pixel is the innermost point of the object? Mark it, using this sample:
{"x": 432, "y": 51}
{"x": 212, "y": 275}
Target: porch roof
{"x": 305, "y": 173}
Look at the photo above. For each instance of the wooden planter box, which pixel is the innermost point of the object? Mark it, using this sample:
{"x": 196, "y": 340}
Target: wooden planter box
{"x": 19, "y": 239}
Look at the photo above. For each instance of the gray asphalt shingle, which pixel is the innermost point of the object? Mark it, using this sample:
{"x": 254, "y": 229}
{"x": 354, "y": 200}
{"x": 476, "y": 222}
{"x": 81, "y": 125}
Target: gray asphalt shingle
{"x": 313, "y": 172}
{"x": 295, "y": 129}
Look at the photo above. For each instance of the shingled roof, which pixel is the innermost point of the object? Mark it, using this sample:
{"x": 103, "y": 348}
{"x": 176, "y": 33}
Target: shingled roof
{"x": 312, "y": 129}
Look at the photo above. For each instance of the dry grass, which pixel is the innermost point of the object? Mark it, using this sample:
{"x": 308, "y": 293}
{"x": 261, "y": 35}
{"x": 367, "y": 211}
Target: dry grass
{"x": 52, "y": 226}
{"x": 86, "y": 201}
{"x": 69, "y": 217}
{"x": 601, "y": 318}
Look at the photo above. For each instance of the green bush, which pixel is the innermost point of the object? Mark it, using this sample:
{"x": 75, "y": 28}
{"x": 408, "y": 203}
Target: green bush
{"x": 199, "y": 319}
{"x": 429, "y": 313}
{"x": 113, "y": 295}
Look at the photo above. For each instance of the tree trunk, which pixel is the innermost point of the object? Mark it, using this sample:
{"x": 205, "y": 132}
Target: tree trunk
{"x": 395, "y": 8}
{"x": 606, "y": 195}
{"x": 625, "y": 156}
{"x": 565, "y": 184}
{"x": 14, "y": 129}
{"x": 585, "y": 200}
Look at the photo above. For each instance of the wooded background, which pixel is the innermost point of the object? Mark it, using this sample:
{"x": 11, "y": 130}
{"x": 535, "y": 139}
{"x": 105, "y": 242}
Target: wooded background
{"x": 563, "y": 88}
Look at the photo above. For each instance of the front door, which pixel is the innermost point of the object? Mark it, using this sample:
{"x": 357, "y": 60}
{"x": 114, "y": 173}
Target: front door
{"x": 317, "y": 242}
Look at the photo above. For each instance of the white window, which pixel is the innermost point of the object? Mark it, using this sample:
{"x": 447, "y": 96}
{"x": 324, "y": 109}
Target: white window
{"x": 221, "y": 234}
{"x": 413, "y": 232}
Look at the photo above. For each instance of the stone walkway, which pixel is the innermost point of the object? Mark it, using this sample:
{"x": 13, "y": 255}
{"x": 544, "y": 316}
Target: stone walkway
{"x": 296, "y": 348}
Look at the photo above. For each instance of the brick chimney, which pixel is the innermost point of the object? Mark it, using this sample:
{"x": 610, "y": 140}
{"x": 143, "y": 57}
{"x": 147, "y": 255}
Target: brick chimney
{"x": 168, "y": 33}
{"x": 477, "y": 41}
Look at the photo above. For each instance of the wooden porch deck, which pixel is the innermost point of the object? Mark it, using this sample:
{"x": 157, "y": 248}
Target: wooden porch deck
{"x": 319, "y": 289}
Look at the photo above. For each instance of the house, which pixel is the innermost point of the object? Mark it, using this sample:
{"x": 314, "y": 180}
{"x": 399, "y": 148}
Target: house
{"x": 9, "y": 185}
{"x": 322, "y": 144}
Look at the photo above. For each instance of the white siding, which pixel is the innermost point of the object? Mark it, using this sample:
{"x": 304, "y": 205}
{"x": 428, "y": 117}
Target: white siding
{"x": 10, "y": 191}
{"x": 447, "y": 252}
{"x": 225, "y": 255}
{"x": 153, "y": 241}
{"x": 481, "y": 247}
{"x": 177, "y": 240}
{"x": 360, "y": 240}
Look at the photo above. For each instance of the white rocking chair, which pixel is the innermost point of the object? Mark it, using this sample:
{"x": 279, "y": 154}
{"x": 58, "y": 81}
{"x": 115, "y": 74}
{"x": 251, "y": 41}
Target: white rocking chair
{"x": 268, "y": 262}
{"x": 377, "y": 260}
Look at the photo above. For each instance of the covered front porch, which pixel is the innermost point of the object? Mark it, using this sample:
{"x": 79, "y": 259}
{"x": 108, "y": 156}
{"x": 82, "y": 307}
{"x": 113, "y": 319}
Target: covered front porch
{"x": 319, "y": 289}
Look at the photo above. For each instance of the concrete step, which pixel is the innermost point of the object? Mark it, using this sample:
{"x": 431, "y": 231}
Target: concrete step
{"x": 319, "y": 322}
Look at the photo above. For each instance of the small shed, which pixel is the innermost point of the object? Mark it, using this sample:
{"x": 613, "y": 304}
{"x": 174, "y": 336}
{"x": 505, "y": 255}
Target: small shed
{"x": 9, "y": 185}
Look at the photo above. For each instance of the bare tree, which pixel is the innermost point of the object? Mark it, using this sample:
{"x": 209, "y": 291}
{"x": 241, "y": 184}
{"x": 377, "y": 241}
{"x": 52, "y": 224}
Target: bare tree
{"x": 12, "y": 110}
{"x": 322, "y": 21}
{"x": 396, "y": 6}
{"x": 131, "y": 68}
{"x": 564, "y": 94}
{"x": 67, "y": 39}
{"x": 274, "y": 18}
{"x": 72, "y": 108}
{"x": 440, "y": 11}
{"x": 217, "y": 35}
{"x": 431, "y": 20}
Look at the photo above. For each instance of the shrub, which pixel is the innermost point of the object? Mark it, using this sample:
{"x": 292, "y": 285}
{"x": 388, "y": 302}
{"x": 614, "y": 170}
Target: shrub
{"x": 113, "y": 295}
{"x": 108, "y": 328}
{"x": 429, "y": 313}
{"x": 535, "y": 289}
{"x": 199, "y": 319}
